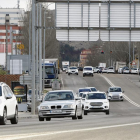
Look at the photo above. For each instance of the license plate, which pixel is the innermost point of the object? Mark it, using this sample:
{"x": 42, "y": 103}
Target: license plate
{"x": 96, "y": 107}
{"x": 56, "y": 111}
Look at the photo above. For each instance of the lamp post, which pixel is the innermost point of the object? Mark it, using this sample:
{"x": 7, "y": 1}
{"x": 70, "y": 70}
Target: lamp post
{"x": 7, "y": 22}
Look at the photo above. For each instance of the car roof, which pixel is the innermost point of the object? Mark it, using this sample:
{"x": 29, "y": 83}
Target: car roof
{"x": 90, "y": 87}
{"x": 61, "y": 91}
{"x": 97, "y": 92}
{"x": 115, "y": 87}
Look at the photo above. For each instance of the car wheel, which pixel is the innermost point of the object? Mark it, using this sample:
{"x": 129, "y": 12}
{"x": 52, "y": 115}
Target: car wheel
{"x": 77, "y": 73}
{"x": 107, "y": 112}
{"x": 92, "y": 75}
{"x": 83, "y": 75}
{"x": 68, "y": 73}
{"x": 15, "y": 119}
{"x": 4, "y": 118}
{"x": 41, "y": 119}
{"x": 85, "y": 112}
{"x": 81, "y": 116}
{"x": 122, "y": 100}
{"x": 48, "y": 119}
{"x": 75, "y": 116}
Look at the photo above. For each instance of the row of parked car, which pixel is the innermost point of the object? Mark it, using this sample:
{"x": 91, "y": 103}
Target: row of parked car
{"x": 126, "y": 70}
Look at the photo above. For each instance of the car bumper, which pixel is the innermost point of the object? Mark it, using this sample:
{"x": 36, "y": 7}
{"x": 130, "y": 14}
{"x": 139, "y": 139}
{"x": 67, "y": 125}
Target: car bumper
{"x": 115, "y": 98}
{"x": 87, "y": 73}
{"x": 96, "y": 109}
{"x": 64, "y": 113}
{"x": 1, "y": 112}
{"x": 73, "y": 72}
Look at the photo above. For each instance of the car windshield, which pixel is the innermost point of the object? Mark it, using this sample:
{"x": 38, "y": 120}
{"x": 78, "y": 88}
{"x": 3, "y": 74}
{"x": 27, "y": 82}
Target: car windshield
{"x": 96, "y": 96}
{"x": 73, "y": 68}
{"x": 53, "y": 96}
{"x": 49, "y": 70}
{"x": 80, "y": 95}
{"x": 110, "y": 68}
{"x": 84, "y": 90}
{"x": 65, "y": 66}
{"x": 93, "y": 89}
{"x": 0, "y": 91}
{"x": 84, "y": 96}
{"x": 115, "y": 90}
{"x": 87, "y": 68}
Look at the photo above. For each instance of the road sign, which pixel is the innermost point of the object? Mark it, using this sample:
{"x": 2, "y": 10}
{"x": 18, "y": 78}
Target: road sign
{"x": 20, "y": 46}
{"x": 27, "y": 79}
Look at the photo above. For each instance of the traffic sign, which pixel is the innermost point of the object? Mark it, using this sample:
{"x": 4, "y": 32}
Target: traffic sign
{"x": 20, "y": 46}
{"x": 27, "y": 79}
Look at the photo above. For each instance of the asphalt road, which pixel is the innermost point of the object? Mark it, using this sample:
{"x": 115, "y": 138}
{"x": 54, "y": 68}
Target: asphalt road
{"x": 123, "y": 123}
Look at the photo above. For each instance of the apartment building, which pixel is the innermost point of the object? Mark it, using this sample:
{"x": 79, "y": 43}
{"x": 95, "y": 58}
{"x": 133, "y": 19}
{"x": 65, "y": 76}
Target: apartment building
{"x": 16, "y": 24}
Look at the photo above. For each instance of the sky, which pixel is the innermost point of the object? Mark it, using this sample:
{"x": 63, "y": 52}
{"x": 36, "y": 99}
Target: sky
{"x": 13, "y": 4}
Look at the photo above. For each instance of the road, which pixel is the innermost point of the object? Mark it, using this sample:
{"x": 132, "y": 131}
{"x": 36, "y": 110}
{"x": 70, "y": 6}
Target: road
{"x": 122, "y": 123}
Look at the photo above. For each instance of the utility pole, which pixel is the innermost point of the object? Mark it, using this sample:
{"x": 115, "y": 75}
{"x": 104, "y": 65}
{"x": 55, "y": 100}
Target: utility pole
{"x": 30, "y": 41}
{"x": 33, "y": 57}
{"x": 40, "y": 51}
{"x": 7, "y": 22}
{"x": 37, "y": 51}
{"x": 44, "y": 50}
{"x": 11, "y": 40}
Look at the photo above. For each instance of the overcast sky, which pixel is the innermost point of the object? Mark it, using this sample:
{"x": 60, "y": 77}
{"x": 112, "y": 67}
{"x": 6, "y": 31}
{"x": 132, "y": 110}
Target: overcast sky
{"x": 13, "y": 4}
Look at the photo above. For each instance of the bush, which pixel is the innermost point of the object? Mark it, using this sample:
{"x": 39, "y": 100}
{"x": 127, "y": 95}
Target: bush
{"x": 2, "y": 72}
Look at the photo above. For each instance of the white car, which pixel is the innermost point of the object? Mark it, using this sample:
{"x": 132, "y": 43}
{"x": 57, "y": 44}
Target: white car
{"x": 83, "y": 98}
{"x": 115, "y": 93}
{"x": 96, "y": 69}
{"x": 126, "y": 71}
{"x": 82, "y": 90}
{"x": 134, "y": 70}
{"x": 96, "y": 102}
{"x": 110, "y": 70}
{"x": 8, "y": 105}
{"x": 104, "y": 70}
{"x": 73, "y": 70}
{"x": 66, "y": 70}
{"x": 88, "y": 70}
{"x": 60, "y": 103}
{"x": 120, "y": 70}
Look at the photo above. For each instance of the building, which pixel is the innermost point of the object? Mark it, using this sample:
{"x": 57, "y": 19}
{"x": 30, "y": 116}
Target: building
{"x": 83, "y": 57}
{"x": 16, "y": 23}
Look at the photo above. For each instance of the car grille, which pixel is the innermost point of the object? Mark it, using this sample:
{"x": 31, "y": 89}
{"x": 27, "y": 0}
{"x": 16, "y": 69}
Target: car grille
{"x": 115, "y": 97}
{"x": 56, "y": 107}
{"x": 96, "y": 103}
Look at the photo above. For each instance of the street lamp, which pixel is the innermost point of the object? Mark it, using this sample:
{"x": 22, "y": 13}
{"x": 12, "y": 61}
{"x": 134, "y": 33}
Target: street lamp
{"x": 7, "y": 22}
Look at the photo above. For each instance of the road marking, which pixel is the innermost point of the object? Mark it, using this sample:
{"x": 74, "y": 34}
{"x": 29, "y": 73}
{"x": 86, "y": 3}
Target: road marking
{"x": 24, "y": 136}
{"x": 127, "y": 98}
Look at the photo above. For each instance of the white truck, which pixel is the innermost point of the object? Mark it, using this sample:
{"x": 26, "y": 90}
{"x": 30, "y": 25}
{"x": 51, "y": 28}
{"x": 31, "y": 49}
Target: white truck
{"x": 119, "y": 65}
{"x": 65, "y": 65}
{"x": 102, "y": 65}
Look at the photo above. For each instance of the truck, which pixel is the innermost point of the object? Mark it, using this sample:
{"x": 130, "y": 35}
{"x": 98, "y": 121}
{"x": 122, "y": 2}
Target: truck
{"x": 51, "y": 71}
{"x": 65, "y": 65}
{"x": 118, "y": 65}
{"x": 102, "y": 65}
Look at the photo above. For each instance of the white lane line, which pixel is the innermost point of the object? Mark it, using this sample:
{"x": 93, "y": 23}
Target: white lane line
{"x": 127, "y": 98}
{"x": 24, "y": 136}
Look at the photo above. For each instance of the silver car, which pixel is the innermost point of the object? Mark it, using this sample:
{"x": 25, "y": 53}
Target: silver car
{"x": 115, "y": 93}
{"x": 60, "y": 103}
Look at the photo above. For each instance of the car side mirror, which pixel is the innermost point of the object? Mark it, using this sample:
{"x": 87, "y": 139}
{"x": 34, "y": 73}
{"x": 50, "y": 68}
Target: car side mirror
{"x": 8, "y": 97}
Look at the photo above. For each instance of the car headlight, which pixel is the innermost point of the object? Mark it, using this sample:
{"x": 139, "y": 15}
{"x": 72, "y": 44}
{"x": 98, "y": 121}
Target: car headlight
{"x": 44, "y": 107}
{"x": 69, "y": 106}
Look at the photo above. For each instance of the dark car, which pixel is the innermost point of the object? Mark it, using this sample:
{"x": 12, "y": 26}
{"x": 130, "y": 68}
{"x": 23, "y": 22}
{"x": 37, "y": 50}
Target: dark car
{"x": 80, "y": 68}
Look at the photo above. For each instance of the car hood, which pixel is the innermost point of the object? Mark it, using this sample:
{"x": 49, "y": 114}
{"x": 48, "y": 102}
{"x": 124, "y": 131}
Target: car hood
{"x": 115, "y": 93}
{"x": 61, "y": 102}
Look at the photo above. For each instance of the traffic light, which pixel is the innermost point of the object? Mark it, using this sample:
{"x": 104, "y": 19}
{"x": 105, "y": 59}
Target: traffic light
{"x": 102, "y": 52}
